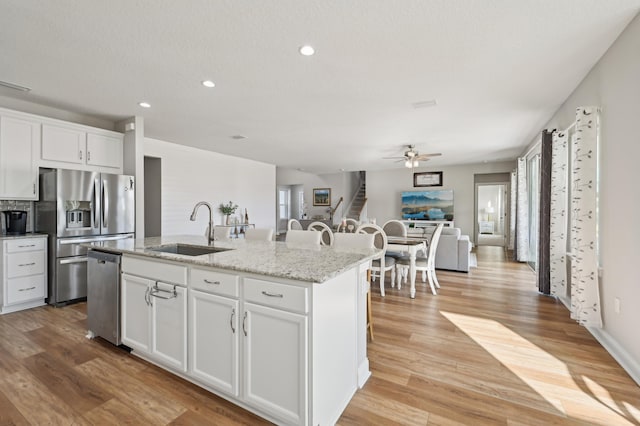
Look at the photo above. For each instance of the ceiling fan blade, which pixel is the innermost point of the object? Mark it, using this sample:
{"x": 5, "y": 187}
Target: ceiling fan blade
{"x": 393, "y": 158}
{"x": 427, "y": 156}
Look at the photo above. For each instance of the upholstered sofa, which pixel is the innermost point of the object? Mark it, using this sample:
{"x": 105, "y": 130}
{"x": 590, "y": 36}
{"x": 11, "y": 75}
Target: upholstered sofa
{"x": 454, "y": 249}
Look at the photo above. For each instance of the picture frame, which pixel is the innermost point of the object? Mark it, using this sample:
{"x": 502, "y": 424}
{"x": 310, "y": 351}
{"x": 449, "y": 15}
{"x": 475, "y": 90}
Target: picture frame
{"x": 422, "y": 179}
{"x": 321, "y": 196}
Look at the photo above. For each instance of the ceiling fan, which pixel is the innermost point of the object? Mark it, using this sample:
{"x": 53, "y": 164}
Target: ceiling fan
{"x": 412, "y": 157}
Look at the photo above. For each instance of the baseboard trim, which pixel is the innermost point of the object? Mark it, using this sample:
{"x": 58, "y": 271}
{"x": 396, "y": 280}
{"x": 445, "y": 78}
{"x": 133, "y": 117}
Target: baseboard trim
{"x": 626, "y": 361}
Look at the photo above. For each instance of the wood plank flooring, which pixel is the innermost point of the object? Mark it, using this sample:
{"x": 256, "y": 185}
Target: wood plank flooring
{"x": 487, "y": 350}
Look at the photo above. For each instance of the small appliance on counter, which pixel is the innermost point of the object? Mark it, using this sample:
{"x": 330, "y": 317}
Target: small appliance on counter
{"x": 15, "y": 222}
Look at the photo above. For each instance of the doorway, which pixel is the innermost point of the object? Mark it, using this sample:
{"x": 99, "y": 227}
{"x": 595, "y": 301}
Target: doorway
{"x": 152, "y": 196}
{"x": 492, "y": 220}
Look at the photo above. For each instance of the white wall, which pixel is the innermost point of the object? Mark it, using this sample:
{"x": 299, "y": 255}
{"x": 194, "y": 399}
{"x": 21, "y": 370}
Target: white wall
{"x": 341, "y": 185}
{"x": 384, "y": 189}
{"x": 190, "y": 175}
{"x": 614, "y": 85}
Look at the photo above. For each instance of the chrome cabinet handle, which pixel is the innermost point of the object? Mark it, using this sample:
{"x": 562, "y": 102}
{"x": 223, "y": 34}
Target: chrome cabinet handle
{"x": 88, "y": 155}
{"x": 244, "y": 324}
{"x": 27, "y": 289}
{"x": 266, "y": 293}
{"x": 156, "y": 292}
{"x": 211, "y": 282}
{"x": 34, "y": 188}
{"x": 27, "y": 245}
{"x": 27, "y": 264}
{"x": 233, "y": 314}
{"x": 146, "y": 296}
{"x": 80, "y": 152}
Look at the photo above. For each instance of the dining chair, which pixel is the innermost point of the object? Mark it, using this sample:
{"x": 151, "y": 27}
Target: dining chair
{"x": 352, "y": 225}
{"x": 326, "y": 238}
{"x": 309, "y": 237}
{"x": 395, "y": 228}
{"x": 258, "y": 234}
{"x": 347, "y": 241}
{"x": 427, "y": 265}
{"x": 384, "y": 263}
{"x": 294, "y": 224}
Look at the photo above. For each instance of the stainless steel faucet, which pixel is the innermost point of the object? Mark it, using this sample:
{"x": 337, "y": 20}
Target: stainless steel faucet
{"x": 193, "y": 217}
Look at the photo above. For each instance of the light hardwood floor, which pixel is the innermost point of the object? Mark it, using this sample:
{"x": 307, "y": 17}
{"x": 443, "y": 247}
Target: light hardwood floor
{"x": 487, "y": 350}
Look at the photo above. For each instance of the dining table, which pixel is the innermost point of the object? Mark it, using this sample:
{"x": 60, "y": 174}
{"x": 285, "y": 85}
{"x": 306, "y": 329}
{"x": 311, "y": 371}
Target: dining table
{"x": 409, "y": 245}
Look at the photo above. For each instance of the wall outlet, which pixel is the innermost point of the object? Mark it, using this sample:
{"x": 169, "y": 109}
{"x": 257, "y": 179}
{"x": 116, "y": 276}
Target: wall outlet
{"x": 616, "y": 305}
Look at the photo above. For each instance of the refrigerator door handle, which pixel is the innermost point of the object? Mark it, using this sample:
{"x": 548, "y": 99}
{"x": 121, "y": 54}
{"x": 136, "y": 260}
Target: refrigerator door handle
{"x": 95, "y": 207}
{"x": 105, "y": 205}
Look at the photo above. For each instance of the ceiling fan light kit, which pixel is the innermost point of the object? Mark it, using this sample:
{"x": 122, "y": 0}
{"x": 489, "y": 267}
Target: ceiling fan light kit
{"x": 412, "y": 158}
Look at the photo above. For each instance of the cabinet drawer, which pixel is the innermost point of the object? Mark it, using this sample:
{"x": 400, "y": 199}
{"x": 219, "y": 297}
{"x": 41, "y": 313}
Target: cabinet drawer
{"x": 24, "y": 289}
{"x": 24, "y": 264}
{"x": 214, "y": 282}
{"x": 276, "y": 295}
{"x": 25, "y": 244}
{"x": 158, "y": 271}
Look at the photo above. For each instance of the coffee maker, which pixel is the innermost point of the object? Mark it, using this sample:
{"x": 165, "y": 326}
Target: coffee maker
{"x": 15, "y": 222}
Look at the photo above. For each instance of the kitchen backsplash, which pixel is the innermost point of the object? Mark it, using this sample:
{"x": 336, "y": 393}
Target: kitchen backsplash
{"x": 18, "y": 205}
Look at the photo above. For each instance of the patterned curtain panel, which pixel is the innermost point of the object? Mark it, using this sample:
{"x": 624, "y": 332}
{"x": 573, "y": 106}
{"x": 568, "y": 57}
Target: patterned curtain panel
{"x": 559, "y": 213}
{"x": 585, "y": 295}
{"x": 522, "y": 226}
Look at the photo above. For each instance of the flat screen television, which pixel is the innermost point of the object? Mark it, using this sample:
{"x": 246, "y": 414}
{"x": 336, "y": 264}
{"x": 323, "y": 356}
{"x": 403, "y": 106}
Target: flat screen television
{"x": 428, "y": 205}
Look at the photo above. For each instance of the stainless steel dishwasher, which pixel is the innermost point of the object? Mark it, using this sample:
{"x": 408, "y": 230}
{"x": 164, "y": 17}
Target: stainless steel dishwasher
{"x": 103, "y": 295}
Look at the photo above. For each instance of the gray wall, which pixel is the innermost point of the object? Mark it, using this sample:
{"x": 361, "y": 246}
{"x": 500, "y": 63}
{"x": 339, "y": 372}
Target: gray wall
{"x": 614, "y": 85}
{"x": 384, "y": 188}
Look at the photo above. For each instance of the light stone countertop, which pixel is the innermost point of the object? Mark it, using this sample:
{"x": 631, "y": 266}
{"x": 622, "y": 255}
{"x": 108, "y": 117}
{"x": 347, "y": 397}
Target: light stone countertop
{"x": 276, "y": 259}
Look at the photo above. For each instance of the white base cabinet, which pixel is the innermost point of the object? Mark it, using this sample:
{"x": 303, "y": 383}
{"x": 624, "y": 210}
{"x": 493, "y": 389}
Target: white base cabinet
{"x": 288, "y": 351}
{"x": 24, "y": 273}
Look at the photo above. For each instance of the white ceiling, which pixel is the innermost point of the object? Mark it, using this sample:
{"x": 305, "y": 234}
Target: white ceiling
{"x": 498, "y": 69}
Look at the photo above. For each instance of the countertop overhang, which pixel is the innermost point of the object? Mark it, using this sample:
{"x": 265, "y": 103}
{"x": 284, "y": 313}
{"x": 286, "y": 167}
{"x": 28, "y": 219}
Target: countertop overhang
{"x": 315, "y": 264}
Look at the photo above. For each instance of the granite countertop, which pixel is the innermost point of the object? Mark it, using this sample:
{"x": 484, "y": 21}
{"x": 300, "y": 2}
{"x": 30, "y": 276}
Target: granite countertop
{"x": 277, "y": 259}
{"x": 17, "y": 237}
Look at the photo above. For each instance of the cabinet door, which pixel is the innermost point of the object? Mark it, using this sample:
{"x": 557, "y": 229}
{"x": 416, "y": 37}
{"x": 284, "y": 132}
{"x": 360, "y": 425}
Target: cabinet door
{"x": 275, "y": 362}
{"x": 18, "y": 139}
{"x": 104, "y": 150}
{"x": 169, "y": 324}
{"x": 63, "y": 144}
{"x": 135, "y": 312}
{"x": 214, "y": 341}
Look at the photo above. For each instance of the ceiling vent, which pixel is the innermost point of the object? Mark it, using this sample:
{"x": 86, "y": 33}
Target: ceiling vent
{"x": 424, "y": 104}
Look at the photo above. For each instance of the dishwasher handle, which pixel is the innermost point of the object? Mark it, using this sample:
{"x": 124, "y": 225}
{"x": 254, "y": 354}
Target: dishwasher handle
{"x": 102, "y": 256}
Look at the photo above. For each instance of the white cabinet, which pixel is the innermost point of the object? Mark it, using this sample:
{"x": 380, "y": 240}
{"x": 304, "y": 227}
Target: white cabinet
{"x": 78, "y": 147}
{"x": 275, "y": 352}
{"x": 136, "y": 315}
{"x": 154, "y": 312}
{"x": 214, "y": 341}
{"x": 24, "y": 273}
{"x": 18, "y": 174}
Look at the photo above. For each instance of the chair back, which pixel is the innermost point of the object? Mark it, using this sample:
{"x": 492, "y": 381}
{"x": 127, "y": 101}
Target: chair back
{"x": 352, "y": 223}
{"x": 433, "y": 245}
{"x": 298, "y": 236}
{"x": 326, "y": 238}
{"x": 258, "y": 234}
{"x": 345, "y": 241}
{"x": 221, "y": 233}
{"x": 293, "y": 224}
{"x": 379, "y": 237}
{"x": 394, "y": 228}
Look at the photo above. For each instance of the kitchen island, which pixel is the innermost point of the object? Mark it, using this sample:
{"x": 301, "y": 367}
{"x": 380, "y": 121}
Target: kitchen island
{"x": 277, "y": 329}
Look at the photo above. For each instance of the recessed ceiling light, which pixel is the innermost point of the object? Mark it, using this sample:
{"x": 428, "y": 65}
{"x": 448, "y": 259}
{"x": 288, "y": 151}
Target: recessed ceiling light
{"x": 145, "y": 104}
{"x": 307, "y": 50}
{"x": 208, "y": 83}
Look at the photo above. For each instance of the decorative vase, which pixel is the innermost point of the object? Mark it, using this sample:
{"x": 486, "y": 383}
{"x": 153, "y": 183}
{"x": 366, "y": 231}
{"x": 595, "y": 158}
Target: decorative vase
{"x": 228, "y": 219}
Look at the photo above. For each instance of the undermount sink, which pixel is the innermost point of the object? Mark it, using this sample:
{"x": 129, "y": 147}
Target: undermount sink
{"x": 188, "y": 250}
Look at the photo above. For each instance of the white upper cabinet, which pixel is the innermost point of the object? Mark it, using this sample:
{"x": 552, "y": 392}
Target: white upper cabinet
{"x": 18, "y": 173}
{"x": 104, "y": 150}
{"x": 63, "y": 144}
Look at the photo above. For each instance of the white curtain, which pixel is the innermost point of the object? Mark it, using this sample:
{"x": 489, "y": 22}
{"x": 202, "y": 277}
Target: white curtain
{"x": 512, "y": 209}
{"x": 585, "y": 294}
{"x": 559, "y": 213}
{"x": 522, "y": 230}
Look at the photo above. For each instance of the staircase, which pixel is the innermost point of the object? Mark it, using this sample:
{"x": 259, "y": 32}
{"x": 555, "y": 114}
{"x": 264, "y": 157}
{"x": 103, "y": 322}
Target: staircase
{"x": 359, "y": 200}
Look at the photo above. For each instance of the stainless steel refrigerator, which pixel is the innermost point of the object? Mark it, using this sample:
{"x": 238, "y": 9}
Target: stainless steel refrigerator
{"x": 78, "y": 207}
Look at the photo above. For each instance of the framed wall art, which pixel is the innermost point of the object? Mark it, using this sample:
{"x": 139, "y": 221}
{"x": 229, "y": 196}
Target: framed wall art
{"x": 427, "y": 179}
{"x": 321, "y": 196}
